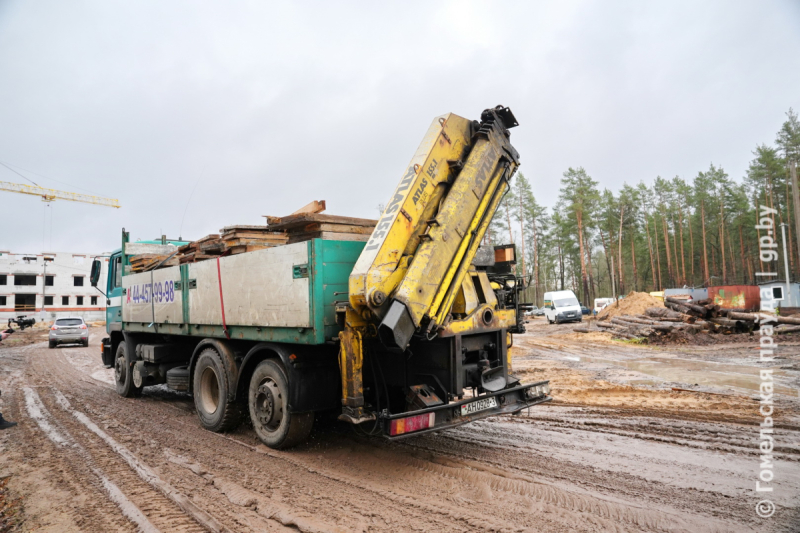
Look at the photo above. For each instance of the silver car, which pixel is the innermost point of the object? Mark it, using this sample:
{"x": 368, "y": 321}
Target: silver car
{"x": 72, "y": 330}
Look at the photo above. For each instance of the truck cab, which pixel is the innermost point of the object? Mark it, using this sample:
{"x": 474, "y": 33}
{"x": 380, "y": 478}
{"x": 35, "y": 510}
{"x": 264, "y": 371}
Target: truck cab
{"x": 113, "y": 292}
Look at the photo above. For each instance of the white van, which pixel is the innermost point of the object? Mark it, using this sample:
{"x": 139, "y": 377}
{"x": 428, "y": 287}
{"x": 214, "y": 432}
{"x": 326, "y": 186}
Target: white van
{"x": 562, "y": 306}
{"x": 600, "y": 303}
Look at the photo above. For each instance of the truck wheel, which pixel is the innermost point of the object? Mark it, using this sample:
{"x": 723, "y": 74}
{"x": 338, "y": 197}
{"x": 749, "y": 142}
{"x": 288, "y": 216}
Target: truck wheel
{"x": 210, "y": 390}
{"x": 123, "y": 374}
{"x": 268, "y": 399}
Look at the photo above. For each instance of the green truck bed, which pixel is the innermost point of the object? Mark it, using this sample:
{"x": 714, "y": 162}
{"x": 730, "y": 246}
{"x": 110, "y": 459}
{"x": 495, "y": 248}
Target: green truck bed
{"x": 284, "y": 294}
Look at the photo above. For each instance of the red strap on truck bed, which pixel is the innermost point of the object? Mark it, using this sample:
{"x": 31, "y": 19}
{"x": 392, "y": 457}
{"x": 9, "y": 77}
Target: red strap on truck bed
{"x": 222, "y": 302}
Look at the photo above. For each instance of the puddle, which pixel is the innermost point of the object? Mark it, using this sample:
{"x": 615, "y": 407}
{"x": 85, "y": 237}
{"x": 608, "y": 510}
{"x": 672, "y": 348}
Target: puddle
{"x": 740, "y": 377}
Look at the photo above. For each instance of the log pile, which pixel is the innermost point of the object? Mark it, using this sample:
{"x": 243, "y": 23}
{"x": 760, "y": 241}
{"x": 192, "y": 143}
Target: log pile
{"x": 691, "y": 317}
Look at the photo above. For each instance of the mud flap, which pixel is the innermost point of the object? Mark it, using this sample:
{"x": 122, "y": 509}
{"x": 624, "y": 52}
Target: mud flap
{"x": 106, "y": 355}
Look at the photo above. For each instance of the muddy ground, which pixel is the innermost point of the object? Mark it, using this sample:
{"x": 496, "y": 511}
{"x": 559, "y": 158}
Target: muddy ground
{"x": 618, "y": 450}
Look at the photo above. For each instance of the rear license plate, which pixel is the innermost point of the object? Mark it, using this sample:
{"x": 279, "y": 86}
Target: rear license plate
{"x": 480, "y": 405}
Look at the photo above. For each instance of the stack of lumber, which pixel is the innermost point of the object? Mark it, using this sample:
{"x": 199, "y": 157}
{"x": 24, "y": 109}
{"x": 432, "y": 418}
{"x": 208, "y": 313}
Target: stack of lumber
{"x": 147, "y": 256}
{"x": 241, "y": 239}
{"x": 230, "y": 240}
{"x": 691, "y": 317}
{"x": 145, "y": 262}
{"x": 305, "y": 226}
{"x": 201, "y": 249}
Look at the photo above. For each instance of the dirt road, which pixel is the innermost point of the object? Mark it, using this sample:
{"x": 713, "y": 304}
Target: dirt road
{"x": 617, "y": 451}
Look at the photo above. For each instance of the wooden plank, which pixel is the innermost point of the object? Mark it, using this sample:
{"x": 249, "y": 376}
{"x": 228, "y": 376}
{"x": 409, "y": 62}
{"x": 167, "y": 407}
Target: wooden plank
{"x": 210, "y": 237}
{"x": 328, "y": 236}
{"x": 261, "y": 242}
{"x": 140, "y": 267}
{"x": 212, "y": 247}
{"x": 138, "y": 248}
{"x": 266, "y": 235}
{"x": 339, "y": 228}
{"x": 147, "y": 258}
{"x": 243, "y": 227}
{"x": 313, "y": 207}
{"x": 293, "y": 221}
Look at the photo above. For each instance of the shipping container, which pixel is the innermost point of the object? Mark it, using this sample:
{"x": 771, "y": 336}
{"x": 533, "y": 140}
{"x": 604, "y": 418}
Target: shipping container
{"x": 744, "y": 297}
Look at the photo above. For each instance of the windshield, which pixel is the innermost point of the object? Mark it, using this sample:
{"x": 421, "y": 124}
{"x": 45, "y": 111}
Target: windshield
{"x": 566, "y": 302}
{"x": 69, "y": 322}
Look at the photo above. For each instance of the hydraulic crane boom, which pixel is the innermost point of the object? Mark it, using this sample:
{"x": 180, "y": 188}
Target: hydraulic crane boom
{"x": 418, "y": 264}
{"x": 49, "y": 195}
{"x": 428, "y": 235}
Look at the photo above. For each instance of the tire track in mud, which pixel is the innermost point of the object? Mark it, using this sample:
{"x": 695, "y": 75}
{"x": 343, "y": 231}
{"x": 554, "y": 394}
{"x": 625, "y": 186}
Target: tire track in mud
{"x": 164, "y": 513}
{"x": 407, "y": 505}
{"x": 489, "y": 476}
{"x": 351, "y": 506}
{"x": 61, "y": 438}
{"x": 175, "y": 520}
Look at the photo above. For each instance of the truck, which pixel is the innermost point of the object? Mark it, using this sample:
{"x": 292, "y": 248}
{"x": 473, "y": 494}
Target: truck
{"x": 404, "y": 334}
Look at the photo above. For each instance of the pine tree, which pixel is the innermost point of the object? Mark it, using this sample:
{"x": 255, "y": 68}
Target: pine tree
{"x": 580, "y": 196}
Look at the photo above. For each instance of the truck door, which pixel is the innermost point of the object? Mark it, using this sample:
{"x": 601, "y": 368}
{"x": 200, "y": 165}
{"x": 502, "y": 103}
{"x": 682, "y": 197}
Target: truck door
{"x": 114, "y": 291}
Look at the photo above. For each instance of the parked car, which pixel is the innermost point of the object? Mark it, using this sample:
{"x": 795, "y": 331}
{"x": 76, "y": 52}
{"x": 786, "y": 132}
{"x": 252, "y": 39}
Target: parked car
{"x": 585, "y": 310}
{"x": 539, "y": 312}
{"x": 532, "y": 311}
{"x": 71, "y": 330}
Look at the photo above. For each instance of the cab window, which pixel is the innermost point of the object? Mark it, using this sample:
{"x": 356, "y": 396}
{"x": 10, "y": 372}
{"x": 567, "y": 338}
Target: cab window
{"x": 116, "y": 280}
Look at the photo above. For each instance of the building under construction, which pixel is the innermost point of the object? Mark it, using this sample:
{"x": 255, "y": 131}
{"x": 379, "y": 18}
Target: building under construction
{"x": 49, "y": 285}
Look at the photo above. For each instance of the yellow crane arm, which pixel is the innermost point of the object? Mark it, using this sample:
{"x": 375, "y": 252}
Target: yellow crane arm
{"x": 421, "y": 249}
{"x": 49, "y": 195}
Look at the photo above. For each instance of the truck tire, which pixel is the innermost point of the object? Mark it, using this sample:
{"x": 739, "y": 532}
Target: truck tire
{"x": 210, "y": 390}
{"x": 268, "y": 400}
{"x": 123, "y": 374}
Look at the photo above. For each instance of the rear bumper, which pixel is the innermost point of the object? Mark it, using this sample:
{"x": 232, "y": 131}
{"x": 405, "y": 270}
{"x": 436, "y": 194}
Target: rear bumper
{"x": 511, "y": 401}
{"x": 78, "y": 337}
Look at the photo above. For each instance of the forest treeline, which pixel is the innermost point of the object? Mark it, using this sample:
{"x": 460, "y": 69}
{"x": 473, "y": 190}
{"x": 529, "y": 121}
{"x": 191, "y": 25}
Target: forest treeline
{"x": 649, "y": 237}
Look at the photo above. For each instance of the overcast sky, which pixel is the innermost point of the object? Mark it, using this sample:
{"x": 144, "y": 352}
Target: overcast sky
{"x": 260, "y": 108}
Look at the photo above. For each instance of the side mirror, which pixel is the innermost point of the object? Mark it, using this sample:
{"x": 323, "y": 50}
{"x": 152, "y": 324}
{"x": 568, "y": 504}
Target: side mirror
{"x": 552, "y": 307}
{"x": 94, "y": 277}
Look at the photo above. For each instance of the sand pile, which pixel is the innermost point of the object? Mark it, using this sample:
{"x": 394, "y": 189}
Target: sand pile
{"x": 633, "y": 304}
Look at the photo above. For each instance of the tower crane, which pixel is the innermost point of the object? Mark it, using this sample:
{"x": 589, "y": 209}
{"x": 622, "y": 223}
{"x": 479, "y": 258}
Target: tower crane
{"x": 48, "y": 195}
